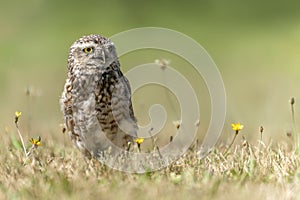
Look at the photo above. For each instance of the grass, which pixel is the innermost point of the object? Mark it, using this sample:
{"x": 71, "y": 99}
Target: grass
{"x": 246, "y": 171}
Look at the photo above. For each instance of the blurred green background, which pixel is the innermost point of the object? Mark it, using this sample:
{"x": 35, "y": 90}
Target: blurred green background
{"x": 255, "y": 44}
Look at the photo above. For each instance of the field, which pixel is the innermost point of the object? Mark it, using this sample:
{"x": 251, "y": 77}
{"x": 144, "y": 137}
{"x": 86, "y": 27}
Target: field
{"x": 255, "y": 46}
{"x": 247, "y": 171}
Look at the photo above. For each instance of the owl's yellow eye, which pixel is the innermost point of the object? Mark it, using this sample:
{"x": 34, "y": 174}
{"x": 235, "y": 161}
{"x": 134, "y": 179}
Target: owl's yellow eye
{"x": 88, "y": 50}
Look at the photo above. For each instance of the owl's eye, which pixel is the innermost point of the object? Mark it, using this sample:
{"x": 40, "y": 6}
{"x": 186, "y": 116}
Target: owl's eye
{"x": 88, "y": 50}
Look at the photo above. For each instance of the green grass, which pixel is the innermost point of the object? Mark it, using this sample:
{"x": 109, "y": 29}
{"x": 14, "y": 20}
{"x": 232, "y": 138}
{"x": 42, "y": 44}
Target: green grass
{"x": 247, "y": 172}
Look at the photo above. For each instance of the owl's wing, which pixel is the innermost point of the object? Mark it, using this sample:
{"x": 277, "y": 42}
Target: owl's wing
{"x": 122, "y": 107}
{"x": 127, "y": 84}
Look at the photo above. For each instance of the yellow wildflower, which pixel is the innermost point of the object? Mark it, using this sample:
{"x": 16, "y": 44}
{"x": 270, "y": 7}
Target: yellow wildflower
{"x": 237, "y": 127}
{"x": 139, "y": 140}
{"x": 36, "y": 142}
{"x": 17, "y": 115}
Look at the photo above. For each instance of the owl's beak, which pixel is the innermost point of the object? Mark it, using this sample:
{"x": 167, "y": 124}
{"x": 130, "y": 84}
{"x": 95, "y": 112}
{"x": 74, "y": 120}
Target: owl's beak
{"x": 99, "y": 55}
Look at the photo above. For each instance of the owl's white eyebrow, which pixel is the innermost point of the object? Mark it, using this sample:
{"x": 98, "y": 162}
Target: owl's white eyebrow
{"x": 82, "y": 46}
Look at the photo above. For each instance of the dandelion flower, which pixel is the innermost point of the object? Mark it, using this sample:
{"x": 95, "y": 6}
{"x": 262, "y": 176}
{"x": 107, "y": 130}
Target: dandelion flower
{"x": 237, "y": 127}
{"x": 36, "y": 142}
{"x": 17, "y": 116}
{"x": 139, "y": 140}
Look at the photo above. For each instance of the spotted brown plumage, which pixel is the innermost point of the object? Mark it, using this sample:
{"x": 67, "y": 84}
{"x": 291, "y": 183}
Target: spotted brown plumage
{"x": 96, "y": 100}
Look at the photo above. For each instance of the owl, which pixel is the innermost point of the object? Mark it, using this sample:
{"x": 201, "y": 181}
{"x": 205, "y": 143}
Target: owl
{"x": 96, "y": 99}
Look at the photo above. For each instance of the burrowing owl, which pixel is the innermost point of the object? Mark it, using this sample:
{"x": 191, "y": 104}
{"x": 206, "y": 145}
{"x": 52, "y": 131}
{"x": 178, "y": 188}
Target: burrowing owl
{"x": 96, "y": 100}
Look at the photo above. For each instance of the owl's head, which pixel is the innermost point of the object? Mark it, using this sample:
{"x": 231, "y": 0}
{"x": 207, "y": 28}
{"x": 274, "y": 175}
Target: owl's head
{"x": 92, "y": 52}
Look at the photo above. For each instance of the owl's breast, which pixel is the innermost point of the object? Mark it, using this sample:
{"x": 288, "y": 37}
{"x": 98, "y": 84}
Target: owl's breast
{"x": 84, "y": 85}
